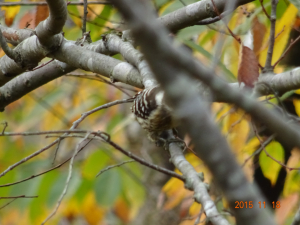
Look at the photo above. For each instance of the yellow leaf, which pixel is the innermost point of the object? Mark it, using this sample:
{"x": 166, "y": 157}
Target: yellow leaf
{"x": 296, "y": 103}
{"x": 269, "y": 167}
{"x": 10, "y": 13}
{"x": 236, "y": 128}
{"x": 93, "y": 213}
{"x": 283, "y": 26}
{"x": 195, "y": 209}
{"x": 164, "y": 7}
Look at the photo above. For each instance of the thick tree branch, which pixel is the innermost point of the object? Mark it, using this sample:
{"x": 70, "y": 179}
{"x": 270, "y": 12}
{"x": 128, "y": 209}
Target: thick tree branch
{"x": 91, "y": 61}
{"x": 194, "y": 182}
{"x": 131, "y": 55}
{"x": 209, "y": 143}
{"x": 190, "y": 15}
{"x": 32, "y": 50}
{"x": 15, "y": 36}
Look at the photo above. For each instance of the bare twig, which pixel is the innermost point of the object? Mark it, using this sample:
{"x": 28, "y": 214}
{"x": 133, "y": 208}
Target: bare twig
{"x": 91, "y": 22}
{"x": 85, "y": 12}
{"x": 101, "y": 79}
{"x": 280, "y": 163}
{"x": 5, "y": 125}
{"x": 264, "y": 149}
{"x": 7, "y": 204}
{"x": 74, "y": 126}
{"x": 234, "y": 124}
{"x": 45, "y": 3}
{"x": 48, "y": 107}
{"x": 93, "y": 11}
{"x": 287, "y": 50}
{"x": 84, "y": 115}
{"x": 106, "y": 138}
{"x": 39, "y": 174}
{"x": 232, "y": 34}
{"x": 262, "y": 146}
{"x": 263, "y": 8}
{"x": 277, "y": 35}
{"x": 213, "y": 20}
{"x": 68, "y": 178}
{"x": 268, "y": 66}
{"x": 182, "y": 2}
{"x": 19, "y": 196}
{"x": 28, "y": 158}
{"x": 113, "y": 166}
{"x": 42, "y": 65}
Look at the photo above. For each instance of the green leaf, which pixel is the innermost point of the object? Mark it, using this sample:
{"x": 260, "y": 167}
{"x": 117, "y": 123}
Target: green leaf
{"x": 108, "y": 187}
{"x": 84, "y": 188}
{"x": 133, "y": 189}
{"x": 101, "y": 20}
{"x": 205, "y": 53}
{"x": 93, "y": 164}
{"x": 46, "y": 184}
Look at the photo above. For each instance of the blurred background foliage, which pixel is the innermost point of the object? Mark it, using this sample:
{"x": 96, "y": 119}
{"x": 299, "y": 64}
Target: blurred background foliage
{"x": 117, "y": 195}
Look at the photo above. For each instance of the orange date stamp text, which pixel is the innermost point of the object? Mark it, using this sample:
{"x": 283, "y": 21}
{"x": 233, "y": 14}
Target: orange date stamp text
{"x": 249, "y": 204}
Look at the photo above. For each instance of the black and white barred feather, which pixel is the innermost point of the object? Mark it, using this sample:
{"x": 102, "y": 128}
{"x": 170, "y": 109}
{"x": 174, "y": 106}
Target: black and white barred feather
{"x": 152, "y": 113}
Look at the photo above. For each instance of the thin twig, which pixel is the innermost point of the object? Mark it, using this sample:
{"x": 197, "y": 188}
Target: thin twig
{"x": 182, "y": 2}
{"x": 7, "y": 204}
{"x": 68, "y": 178}
{"x": 39, "y": 174}
{"x": 42, "y": 65}
{"x": 280, "y": 163}
{"x": 5, "y": 125}
{"x": 100, "y": 17}
{"x": 263, "y": 8}
{"x": 84, "y": 115}
{"x": 287, "y": 50}
{"x": 85, "y": 12}
{"x": 101, "y": 79}
{"x": 213, "y": 20}
{"x": 106, "y": 138}
{"x": 45, "y": 3}
{"x": 113, "y": 166}
{"x": 268, "y": 66}
{"x": 92, "y": 22}
{"x": 264, "y": 149}
{"x": 19, "y": 196}
{"x": 48, "y": 107}
{"x": 232, "y": 34}
{"x": 74, "y": 126}
{"x": 262, "y": 146}
{"x": 234, "y": 124}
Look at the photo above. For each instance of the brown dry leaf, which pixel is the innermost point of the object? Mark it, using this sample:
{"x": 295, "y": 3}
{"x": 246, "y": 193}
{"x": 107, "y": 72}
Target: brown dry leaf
{"x": 259, "y": 31}
{"x": 248, "y": 70}
{"x": 42, "y": 12}
{"x": 27, "y": 20}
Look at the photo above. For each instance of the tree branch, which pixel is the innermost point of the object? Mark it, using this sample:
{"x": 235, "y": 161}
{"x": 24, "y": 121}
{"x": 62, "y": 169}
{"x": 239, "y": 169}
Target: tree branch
{"x": 209, "y": 143}
{"x": 268, "y": 66}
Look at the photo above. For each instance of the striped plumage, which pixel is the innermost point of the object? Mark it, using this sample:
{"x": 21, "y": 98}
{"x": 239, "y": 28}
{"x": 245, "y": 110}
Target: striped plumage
{"x": 152, "y": 113}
